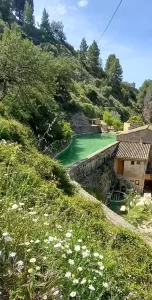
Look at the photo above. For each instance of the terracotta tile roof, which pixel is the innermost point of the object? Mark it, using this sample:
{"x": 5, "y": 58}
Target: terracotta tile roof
{"x": 132, "y": 150}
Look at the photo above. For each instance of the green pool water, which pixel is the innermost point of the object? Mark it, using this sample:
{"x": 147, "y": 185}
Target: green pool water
{"x": 84, "y": 145}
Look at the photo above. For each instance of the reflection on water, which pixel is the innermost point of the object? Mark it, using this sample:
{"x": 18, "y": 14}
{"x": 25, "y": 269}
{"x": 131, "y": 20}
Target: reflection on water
{"x": 84, "y": 145}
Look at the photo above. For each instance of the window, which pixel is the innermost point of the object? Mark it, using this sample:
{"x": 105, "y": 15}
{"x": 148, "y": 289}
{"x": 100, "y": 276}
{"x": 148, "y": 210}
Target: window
{"x": 137, "y": 182}
{"x": 138, "y": 162}
{"x": 132, "y": 162}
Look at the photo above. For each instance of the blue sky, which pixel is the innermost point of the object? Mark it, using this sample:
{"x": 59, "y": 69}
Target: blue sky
{"x": 129, "y": 35}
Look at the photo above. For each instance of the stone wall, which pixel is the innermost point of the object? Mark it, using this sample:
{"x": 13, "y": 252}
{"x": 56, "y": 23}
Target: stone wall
{"x": 136, "y": 136}
{"x": 80, "y": 124}
{"x": 95, "y": 171}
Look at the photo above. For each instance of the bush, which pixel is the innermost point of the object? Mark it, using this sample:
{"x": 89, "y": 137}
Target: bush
{"x": 13, "y": 131}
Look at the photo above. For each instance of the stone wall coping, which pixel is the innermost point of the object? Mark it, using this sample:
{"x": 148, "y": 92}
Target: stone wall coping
{"x": 89, "y": 157}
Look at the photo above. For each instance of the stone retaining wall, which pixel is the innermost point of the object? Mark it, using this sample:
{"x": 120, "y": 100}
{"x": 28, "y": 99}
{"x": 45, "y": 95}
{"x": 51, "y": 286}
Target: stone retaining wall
{"x": 80, "y": 170}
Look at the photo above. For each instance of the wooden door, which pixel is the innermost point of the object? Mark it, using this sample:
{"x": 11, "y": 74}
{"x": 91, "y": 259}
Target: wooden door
{"x": 120, "y": 167}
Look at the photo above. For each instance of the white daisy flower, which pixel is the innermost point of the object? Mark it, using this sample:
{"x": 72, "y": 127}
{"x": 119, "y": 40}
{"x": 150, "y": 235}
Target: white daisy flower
{"x": 80, "y": 269}
{"x": 105, "y": 285}
{"x": 96, "y": 254}
{"x": 20, "y": 263}
{"x": 73, "y": 294}
{"x": 69, "y": 251}
{"x": 83, "y": 281}
{"x": 91, "y": 287}
{"x": 12, "y": 254}
{"x": 14, "y": 206}
{"x": 77, "y": 248}
{"x": 68, "y": 234}
{"x": 75, "y": 281}
{"x": 58, "y": 245}
{"x": 68, "y": 274}
{"x": 71, "y": 262}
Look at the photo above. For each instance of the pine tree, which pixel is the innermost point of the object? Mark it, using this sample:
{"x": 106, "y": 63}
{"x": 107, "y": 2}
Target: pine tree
{"x": 57, "y": 30}
{"x": 5, "y": 9}
{"x": 28, "y": 18}
{"x": 113, "y": 70}
{"x": 83, "y": 49}
{"x": 94, "y": 58}
{"x": 45, "y": 23}
{"x": 19, "y": 5}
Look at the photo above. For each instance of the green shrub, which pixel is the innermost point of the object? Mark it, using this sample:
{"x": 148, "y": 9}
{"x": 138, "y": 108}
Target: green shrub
{"x": 13, "y": 131}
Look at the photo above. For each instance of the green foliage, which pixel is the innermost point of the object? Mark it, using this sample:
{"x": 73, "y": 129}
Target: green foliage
{"x": 5, "y": 9}
{"x": 44, "y": 236}
{"x": 93, "y": 59}
{"x": 113, "y": 71}
{"x": 13, "y": 131}
{"x": 57, "y": 31}
{"x": 117, "y": 124}
{"x": 28, "y": 18}
{"x": 107, "y": 118}
{"x": 136, "y": 120}
{"x": 145, "y": 100}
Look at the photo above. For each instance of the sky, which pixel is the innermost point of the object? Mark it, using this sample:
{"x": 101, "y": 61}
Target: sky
{"x": 129, "y": 36}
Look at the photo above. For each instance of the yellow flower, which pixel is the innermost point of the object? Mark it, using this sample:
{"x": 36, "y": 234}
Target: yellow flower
{"x": 30, "y": 270}
{"x": 73, "y": 275}
{"x": 32, "y": 260}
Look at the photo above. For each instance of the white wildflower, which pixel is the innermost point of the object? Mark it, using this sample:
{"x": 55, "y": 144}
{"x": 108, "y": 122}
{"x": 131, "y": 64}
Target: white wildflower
{"x": 83, "y": 281}
{"x": 35, "y": 220}
{"x": 45, "y": 297}
{"x": 68, "y": 275}
{"x": 80, "y": 241}
{"x": 84, "y": 247}
{"x": 73, "y": 294}
{"x": 50, "y": 239}
{"x": 75, "y": 281}
{"x": 14, "y": 206}
{"x": 46, "y": 215}
{"x": 38, "y": 268}
{"x": 69, "y": 251}
{"x": 101, "y": 256}
{"x": 77, "y": 248}
{"x": 5, "y": 234}
{"x": 105, "y": 285}
{"x": 68, "y": 234}
{"x": 63, "y": 256}
{"x": 56, "y": 293}
{"x": 91, "y": 287}
{"x": 80, "y": 269}
{"x": 71, "y": 262}
{"x": 8, "y": 239}
{"x": 37, "y": 241}
{"x": 58, "y": 245}
{"x": 123, "y": 208}
{"x": 58, "y": 226}
{"x": 21, "y": 204}
{"x": 66, "y": 246}
{"x": 96, "y": 254}
{"x": 29, "y": 250}
{"x": 27, "y": 243}
{"x": 32, "y": 213}
{"x": 20, "y": 263}
{"x": 85, "y": 254}
{"x": 12, "y": 254}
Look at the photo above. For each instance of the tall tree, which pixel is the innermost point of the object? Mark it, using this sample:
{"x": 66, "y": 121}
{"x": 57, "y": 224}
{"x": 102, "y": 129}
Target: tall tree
{"x": 57, "y": 30}
{"x": 19, "y": 5}
{"x": 28, "y": 18}
{"x": 5, "y": 9}
{"x": 94, "y": 58}
{"x": 45, "y": 25}
{"x": 113, "y": 70}
{"x": 83, "y": 49}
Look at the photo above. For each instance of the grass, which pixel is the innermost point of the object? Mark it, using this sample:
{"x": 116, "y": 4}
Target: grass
{"x": 56, "y": 245}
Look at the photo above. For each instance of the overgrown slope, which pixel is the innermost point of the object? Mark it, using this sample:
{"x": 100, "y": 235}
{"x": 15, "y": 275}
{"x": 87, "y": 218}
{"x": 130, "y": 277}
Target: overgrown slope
{"x": 54, "y": 243}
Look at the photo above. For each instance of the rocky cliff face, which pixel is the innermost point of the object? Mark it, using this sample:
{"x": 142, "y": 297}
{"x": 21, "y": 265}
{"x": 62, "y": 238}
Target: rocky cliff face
{"x": 80, "y": 124}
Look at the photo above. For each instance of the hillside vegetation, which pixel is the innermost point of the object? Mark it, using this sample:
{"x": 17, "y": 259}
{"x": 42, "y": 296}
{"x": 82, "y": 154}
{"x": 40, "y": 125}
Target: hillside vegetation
{"x": 53, "y": 243}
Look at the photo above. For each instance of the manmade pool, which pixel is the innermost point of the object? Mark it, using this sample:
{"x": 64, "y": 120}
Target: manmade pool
{"x": 84, "y": 145}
